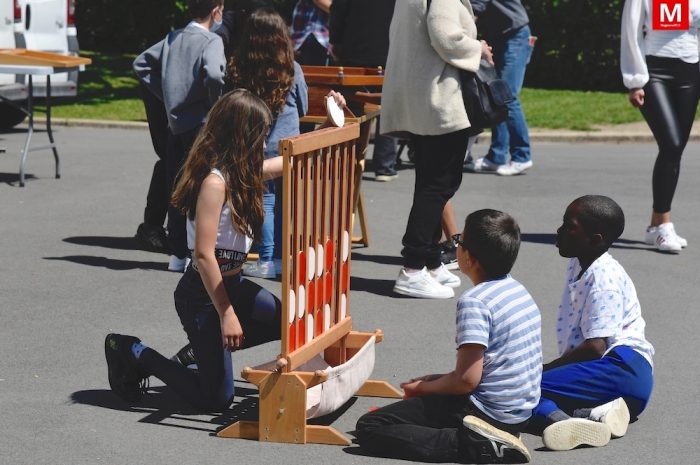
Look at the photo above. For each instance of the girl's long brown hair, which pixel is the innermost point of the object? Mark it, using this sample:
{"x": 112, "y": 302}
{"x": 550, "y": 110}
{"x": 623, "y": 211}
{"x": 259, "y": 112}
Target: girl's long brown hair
{"x": 232, "y": 140}
{"x": 264, "y": 60}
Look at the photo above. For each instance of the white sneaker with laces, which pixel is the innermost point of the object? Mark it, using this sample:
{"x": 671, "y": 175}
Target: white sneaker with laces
{"x": 574, "y": 432}
{"x": 444, "y": 277}
{"x": 615, "y": 414}
{"x": 260, "y": 269}
{"x": 513, "y": 168}
{"x": 178, "y": 264}
{"x": 664, "y": 238}
{"x": 651, "y": 232}
{"x": 422, "y": 285}
{"x": 481, "y": 165}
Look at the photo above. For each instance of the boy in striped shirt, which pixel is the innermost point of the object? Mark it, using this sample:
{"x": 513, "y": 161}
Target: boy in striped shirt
{"x": 474, "y": 413}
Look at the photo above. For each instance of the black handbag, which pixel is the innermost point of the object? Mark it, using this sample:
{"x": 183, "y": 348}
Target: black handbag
{"x": 486, "y": 97}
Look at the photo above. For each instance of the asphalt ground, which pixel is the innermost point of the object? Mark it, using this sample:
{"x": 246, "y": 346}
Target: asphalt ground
{"x": 71, "y": 273}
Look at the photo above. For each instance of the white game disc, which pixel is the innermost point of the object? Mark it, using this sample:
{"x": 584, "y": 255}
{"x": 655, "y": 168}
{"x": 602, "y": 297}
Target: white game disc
{"x": 346, "y": 245}
{"x": 309, "y": 327}
{"x": 301, "y": 308}
{"x": 310, "y": 263}
{"x": 326, "y": 317}
{"x": 343, "y": 306}
{"x": 292, "y": 306}
{"x": 335, "y": 113}
{"x": 319, "y": 260}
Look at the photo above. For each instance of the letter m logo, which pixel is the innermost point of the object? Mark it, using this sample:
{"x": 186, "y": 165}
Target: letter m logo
{"x": 670, "y": 15}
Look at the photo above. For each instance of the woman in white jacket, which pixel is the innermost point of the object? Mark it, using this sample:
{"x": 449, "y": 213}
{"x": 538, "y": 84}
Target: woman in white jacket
{"x": 429, "y": 41}
{"x": 660, "y": 69}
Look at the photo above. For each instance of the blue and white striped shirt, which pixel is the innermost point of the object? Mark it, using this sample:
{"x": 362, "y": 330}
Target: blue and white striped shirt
{"x": 502, "y": 316}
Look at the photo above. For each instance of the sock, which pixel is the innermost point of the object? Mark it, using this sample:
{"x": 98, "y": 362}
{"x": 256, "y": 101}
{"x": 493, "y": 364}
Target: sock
{"x": 558, "y": 415}
{"x": 136, "y": 349}
{"x": 582, "y": 412}
{"x": 411, "y": 271}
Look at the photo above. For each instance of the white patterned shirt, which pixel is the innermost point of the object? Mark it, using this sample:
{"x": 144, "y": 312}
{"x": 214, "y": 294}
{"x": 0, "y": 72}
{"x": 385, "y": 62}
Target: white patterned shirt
{"x": 501, "y": 316}
{"x": 601, "y": 304}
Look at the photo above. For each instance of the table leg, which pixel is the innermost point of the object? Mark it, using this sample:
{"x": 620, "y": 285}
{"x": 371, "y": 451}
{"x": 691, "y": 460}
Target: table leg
{"x": 30, "y": 130}
{"x": 48, "y": 127}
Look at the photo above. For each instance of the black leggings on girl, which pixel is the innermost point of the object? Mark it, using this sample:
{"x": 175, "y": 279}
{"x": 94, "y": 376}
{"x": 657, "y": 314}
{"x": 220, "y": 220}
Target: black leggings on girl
{"x": 670, "y": 101}
{"x": 211, "y": 387}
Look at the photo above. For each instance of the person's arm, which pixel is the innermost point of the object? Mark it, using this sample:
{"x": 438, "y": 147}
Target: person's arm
{"x": 214, "y": 65}
{"x": 632, "y": 62}
{"x": 590, "y": 349}
{"x": 272, "y": 167}
{"x": 147, "y": 67}
{"x": 212, "y": 196}
{"x": 462, "y": 380}
{"x": 479, "y": 7}
{"x": 449, "y": 38}
{"x": 323, "y": 5}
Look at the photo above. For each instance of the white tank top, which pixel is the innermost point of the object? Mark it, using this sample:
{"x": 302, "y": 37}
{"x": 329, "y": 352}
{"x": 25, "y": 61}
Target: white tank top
{"x": 231, "y": 245}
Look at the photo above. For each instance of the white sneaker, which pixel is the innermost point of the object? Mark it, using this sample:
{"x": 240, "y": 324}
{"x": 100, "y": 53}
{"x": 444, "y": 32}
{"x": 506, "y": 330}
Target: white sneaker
{"x": 260, "y": 269}
{"x": 651, "y": 233}
{"x": 178, "y": 264}
{"x": 574, "y": 432}
{"x": 664, "y": 238}
{"x": 615, "y": 414}
{"x": 444, "y": 277}
{"x": 421, "y": 284}
{"x": 481, "y": 165}
{"x": 513, "y": 168}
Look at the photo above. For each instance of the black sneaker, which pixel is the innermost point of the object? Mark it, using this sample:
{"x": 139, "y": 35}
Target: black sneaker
{"x": 185, "y": 357}
{"x": 125, "y": 377}
{"x": 484, "y": 443}
{"x": 448, "y": 255}
{"x": 152, "y": 238}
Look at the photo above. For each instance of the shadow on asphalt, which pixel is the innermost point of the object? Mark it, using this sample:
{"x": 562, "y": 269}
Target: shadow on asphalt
{"x": 109, "y": 242}
{"x": 165, "y": 408}
{"x": 381, "y": 259}
{"x": 549, "y": 238}
{"x": 12, "y": 179}
{"x": 111, "y": 263}
{"x": 383, "y": 287}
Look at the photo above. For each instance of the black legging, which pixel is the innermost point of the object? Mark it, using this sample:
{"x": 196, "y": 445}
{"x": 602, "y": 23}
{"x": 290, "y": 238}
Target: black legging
{"x": 670, "y": 101}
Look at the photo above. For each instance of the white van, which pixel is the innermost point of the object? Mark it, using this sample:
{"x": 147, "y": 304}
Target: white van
{"x": 49, "y": 26}
{"x": 9, "y": 87}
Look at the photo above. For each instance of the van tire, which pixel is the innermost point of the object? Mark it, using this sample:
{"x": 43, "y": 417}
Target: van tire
{"x": 10, "y": 116}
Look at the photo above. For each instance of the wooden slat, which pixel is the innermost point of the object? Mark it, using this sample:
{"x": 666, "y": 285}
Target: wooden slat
{"x": 304, "y": 353}
{"x": 311, "y": 141}
{"x": 320, "y": 434}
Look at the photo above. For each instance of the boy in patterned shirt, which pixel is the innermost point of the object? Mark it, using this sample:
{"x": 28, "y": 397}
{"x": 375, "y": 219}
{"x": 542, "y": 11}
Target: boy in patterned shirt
{"x": 604, "y": 372}
{"x": 474, "y": 413}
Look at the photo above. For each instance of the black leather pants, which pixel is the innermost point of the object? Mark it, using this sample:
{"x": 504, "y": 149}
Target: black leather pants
{"x": 670, "y": 102}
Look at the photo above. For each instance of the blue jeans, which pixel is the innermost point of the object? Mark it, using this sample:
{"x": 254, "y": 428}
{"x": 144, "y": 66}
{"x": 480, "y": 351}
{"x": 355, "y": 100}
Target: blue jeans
{"x": 511, "y": 55}
{"x": 271, "y": 244}
{"x": 621, "y": 373}
{"x": 211, "y": 387}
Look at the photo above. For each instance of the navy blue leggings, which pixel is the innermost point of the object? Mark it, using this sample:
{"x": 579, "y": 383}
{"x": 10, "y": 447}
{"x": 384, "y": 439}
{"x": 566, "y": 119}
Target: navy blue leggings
{"x": 623, "y": 372}
{"x": 211, "y": 387}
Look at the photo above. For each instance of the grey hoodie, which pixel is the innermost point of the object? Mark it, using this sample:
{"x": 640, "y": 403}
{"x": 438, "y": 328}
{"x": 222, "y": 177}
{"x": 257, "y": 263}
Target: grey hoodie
{"x": 186, "y": 71}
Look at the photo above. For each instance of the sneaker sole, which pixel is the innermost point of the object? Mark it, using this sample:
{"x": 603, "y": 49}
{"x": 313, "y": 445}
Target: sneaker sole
{"x": 413, "y": 293}
{"x": 453, "y": 284}
{"x": 452, "y": 266}
{"x": 617, "y": 418}
{"x": 568, "y": 434}
{"x": 489, "y": 431}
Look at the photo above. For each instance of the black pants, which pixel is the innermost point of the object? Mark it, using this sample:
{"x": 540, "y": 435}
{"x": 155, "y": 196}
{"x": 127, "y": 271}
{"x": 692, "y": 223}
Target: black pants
{"x": 179, "y": 146}
{"x": 438, "y": 165}
{"x": 158, "y": 191}
{"x": 424, "y": 428}
{"x": 670, "y": 101}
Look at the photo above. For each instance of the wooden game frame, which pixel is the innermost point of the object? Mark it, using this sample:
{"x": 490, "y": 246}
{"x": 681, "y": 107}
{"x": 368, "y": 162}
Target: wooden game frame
{"x": 318, "y": 185}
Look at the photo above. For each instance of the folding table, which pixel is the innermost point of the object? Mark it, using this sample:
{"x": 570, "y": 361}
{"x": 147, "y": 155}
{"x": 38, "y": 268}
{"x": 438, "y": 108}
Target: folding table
{"x": 34, "y": 63}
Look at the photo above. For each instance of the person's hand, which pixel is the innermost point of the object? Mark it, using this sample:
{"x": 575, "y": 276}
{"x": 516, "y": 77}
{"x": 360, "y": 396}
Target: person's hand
{"x": 231, "y": 331}
{"x": 486, "y": 52}
{"x": 338, "y": 97}
{"x": 636, "y": 97}
{"x": 411, "y": 388}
